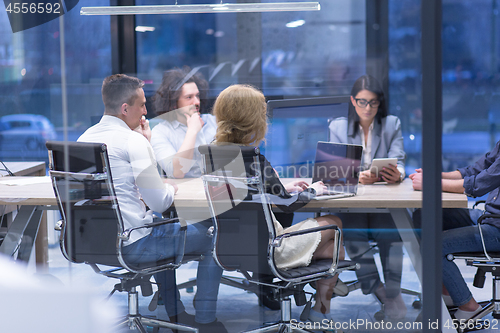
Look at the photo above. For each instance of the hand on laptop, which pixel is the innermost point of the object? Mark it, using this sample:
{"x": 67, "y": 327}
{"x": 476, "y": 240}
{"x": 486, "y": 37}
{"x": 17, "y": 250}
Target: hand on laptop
{"x": 296, "y": 186}
{"x": 366, "y": 177}
{"x": 319, "y": 187}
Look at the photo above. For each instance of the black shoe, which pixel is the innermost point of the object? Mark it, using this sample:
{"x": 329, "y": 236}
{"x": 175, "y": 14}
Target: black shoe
{"x": 213, "y": 327}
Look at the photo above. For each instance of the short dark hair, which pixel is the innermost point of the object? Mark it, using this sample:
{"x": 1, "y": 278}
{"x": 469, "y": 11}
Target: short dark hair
{"x": 367, "y": 82}
{"x": 118, "y": 89}
{"x": 169, "y": 92}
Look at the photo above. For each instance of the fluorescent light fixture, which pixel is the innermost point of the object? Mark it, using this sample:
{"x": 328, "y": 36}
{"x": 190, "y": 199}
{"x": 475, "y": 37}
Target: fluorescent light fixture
{"x": 209, "y": 8}
{"x": 295, "y": 24}
{"x": 141, "y": 28}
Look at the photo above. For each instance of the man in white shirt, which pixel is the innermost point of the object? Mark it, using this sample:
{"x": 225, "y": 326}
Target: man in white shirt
{"x": 183, "y": 129}
{"x": 125, "y": 131}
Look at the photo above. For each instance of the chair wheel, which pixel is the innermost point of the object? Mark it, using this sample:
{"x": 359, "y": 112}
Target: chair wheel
{"x": 417, "y": 304}
{"x": 379, "y": 315}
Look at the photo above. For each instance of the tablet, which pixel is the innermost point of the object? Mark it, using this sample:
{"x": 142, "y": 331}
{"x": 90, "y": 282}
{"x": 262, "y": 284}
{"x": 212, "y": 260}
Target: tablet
{"x": 380, "y": 163}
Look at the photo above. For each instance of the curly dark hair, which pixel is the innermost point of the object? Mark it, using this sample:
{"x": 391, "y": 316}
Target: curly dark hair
{"x": 167, "y": 95}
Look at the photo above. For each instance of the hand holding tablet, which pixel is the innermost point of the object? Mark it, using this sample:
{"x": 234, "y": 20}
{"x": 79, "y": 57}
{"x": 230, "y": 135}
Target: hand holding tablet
{"x": 378, "y": 164}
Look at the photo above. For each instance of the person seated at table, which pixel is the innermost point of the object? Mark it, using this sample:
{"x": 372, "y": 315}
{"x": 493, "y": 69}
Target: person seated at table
{"x": 368, "y": 124}
{"x": 240, "y": 111}
{"x": 125, "y": 131}
{"x": 178, "y": 101}
{"x": 183, "y": 128}
{"x": 461, "y": 232}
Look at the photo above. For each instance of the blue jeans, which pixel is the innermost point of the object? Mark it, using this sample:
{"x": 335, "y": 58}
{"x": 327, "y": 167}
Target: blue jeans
{"x": 452, "y": 218}
{"x": 163, "y": 242}
{"x": 465, "y": 239}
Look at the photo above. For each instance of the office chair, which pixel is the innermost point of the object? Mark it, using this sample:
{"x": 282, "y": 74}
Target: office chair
{"x": 245, "y": 237}
{"x": 92, "y": 229}
{"x": 486, "y": 262}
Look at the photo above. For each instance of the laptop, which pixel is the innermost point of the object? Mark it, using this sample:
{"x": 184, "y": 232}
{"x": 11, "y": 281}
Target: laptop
{"x": 337, "y": 165}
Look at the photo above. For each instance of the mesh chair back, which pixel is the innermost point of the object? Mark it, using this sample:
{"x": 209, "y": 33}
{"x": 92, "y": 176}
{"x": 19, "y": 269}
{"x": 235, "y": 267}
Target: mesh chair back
{"x": 243, "y": 227}
{"x": 83, "y": 185}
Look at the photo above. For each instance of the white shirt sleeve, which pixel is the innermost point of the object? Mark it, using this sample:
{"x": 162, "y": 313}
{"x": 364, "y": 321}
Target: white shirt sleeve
{"x": 154, "y": 192}
{"x": 164, "y": 149}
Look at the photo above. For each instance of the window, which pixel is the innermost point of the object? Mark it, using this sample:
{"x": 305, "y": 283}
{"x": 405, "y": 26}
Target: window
{"x": 30, "y": 82}
{"x": 470, "y": 46}
{"x": 285, "y": 53}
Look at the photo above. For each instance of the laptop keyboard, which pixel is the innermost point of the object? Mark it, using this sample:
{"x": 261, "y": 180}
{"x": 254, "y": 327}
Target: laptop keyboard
{"x": 331, "y": 192}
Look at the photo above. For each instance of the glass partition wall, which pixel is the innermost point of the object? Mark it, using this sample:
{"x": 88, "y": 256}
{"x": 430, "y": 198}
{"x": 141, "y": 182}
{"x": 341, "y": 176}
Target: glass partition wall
{"x": 288, "y": 55}
{"x": 30, "y": 80}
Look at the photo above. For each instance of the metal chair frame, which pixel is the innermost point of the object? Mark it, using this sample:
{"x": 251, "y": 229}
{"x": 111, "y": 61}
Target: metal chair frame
{"x": 485, "y": 262}
{"x": 130, "y": 277}
{"x": 287, "y": 284}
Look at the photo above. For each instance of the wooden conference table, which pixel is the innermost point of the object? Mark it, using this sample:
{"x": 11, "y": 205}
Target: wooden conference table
{"x": 24, "y": 168}
{"x": 9, "y": 204}
{"x": 395, "y": 199}
{"x": 191, "y": 194}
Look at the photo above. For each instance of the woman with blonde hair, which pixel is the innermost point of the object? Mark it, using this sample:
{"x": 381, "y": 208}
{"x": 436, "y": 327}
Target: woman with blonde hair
{"x": 240, "y": 111}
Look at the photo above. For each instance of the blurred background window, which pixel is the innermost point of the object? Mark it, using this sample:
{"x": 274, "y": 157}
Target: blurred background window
{"x": 30, "y": 81}
{"x": 286, "y": 54}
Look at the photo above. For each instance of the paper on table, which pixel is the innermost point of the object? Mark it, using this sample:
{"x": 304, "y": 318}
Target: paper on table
{"x": 16, "y": 181}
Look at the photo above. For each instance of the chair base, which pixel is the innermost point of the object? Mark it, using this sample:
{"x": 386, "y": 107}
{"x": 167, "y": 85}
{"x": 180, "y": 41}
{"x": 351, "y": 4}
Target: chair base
{"x": 488, "y": 307}
{"x": 278, "y": 327}
{"x": 232, "y": 281}
{"x": 139, "y": 323}
{"x": 285, "y": 325}
{"x": 493, "y": 306}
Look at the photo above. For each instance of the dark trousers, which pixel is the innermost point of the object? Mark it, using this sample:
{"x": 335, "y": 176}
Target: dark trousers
{"x": 358, "y": 230}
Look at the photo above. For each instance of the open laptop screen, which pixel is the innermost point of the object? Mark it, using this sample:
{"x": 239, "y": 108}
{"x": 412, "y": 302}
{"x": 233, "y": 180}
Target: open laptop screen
{"x": 337, "y": 165}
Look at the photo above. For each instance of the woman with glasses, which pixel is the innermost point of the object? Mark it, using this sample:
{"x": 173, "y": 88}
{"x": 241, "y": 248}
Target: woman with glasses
{"x": 368, "y": 124}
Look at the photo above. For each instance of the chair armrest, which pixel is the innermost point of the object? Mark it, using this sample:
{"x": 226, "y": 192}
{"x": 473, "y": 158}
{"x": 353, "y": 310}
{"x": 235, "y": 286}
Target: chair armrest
{"x": 125, "y": 235}
{"x": 335, "y": 255}
{"x": 485, "y": 216}
{"x": 478, "y": 202}
{"x": 279, "y": 239}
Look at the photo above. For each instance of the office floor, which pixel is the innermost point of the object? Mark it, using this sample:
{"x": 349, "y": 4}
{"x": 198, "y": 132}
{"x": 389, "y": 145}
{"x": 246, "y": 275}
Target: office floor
{"x": 239, "y": 310}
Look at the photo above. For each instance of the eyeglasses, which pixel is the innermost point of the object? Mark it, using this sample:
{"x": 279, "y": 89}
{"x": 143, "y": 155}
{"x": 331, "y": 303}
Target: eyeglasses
{"x": 362, "y": 103}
